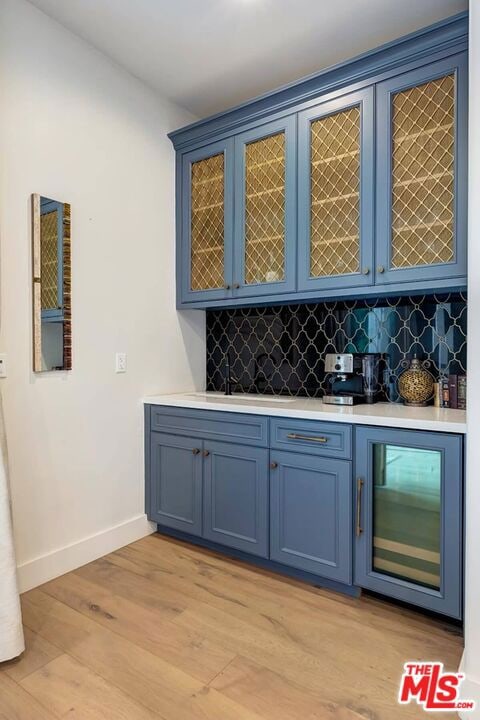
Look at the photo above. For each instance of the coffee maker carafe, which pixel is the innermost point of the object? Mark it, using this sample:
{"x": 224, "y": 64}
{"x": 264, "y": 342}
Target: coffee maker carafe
{"x": 353, "y": 378}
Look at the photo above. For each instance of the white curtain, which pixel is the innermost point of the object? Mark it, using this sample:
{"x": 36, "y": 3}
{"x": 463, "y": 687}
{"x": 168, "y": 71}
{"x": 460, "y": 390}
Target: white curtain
{"x": 11, "y": 631}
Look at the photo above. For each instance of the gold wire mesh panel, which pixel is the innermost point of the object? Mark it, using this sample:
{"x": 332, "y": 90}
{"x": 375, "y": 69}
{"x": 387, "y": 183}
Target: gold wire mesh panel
{"x": 49, "y": 259}
{"x": 335, "y": 194}
{"x": 207, "y": 223}
{"x": 265, "y": 210}
{"x": 423, "y": 174}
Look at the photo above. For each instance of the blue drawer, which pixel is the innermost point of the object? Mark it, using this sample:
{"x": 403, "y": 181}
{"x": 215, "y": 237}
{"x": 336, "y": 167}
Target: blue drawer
{"x": 309, "y": 436}
{"x": 210, "y": 425}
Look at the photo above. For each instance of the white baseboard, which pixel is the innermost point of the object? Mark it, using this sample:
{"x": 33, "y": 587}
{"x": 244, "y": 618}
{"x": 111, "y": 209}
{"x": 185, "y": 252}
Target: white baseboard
{"x": 47, "y": 567}
{"x": 470, "y": 691}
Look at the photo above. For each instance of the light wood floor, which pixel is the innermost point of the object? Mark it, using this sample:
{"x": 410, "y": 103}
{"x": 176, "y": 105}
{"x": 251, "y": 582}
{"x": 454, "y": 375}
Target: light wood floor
{"x": 161, "y": 629}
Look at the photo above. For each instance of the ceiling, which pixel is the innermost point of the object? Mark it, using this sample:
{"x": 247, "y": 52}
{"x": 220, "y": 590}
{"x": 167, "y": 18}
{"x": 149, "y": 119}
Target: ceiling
{"x": 207, "y": 55}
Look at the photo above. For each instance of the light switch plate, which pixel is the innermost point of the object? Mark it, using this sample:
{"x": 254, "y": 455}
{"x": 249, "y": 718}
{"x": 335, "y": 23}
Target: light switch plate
{"x": 121, "y": 362}
{"x": 3, "y": 365}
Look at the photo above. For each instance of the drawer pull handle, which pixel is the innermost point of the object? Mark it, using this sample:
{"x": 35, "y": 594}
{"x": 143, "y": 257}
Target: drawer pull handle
{"x": 273, "y": 465}
{"x": 196, "y": 451}
{"x": 206, "y": 453}
{"x": 359, "y": 529}
{"x": 311, "y": 438}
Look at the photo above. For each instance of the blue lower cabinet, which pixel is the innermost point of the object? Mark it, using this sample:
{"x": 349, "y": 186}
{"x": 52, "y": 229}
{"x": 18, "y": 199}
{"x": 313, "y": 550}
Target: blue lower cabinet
{"x": 176, "y": 482}
{"x": 311, "y": 514}
{"x": 409, "y": 516}
{"x": 236, "y": 496}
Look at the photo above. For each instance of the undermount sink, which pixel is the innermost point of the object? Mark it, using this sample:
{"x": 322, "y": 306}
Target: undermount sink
{"x": 241, "y": 396}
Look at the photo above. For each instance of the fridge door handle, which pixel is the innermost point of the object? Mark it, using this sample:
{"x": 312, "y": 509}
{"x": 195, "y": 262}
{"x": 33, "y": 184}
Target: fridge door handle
{"x": 359, "y": 529}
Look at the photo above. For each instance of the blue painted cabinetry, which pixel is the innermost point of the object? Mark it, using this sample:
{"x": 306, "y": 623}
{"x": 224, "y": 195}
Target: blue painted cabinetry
{"x": 236, "y": 497}
{"x": 349, "y": 183}
{"x": 409, "y": 516}
{"x": 379, "y": 508}
{"x": 176, "y": 482}
{"x": 310, "y": 514}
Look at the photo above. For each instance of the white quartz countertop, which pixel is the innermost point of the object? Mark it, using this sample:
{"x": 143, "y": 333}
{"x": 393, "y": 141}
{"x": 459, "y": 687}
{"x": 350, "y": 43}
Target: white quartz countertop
{"x": 383, "y": 414}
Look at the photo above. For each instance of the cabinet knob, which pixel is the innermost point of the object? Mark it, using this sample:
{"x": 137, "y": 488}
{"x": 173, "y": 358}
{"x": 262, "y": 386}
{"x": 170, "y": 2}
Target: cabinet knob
{"x": 236, "y": 286}
{"x": 366, "y": 271}
{"x": 206, "y": 453}
{"x": 380, "y": 269}
{"x": 273, "y": 465}
{"x": 226, "y": 286}
{"x": 195, "y": 451}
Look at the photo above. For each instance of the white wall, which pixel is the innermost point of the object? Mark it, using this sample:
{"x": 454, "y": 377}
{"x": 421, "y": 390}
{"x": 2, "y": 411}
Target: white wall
{"x": 77, "y": 128}
{"x": 471, "y": 659}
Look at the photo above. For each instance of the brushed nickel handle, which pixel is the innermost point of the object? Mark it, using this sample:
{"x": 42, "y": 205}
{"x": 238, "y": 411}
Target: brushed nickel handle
{"x": 206, "y": 453}
{"x": 227, "y": 286}
{"x": 196, "y": 451}
{"x": 380, "y": 269}
{"x": 359, "y": 529}
{"x": 236, "y": 286}
{"x": 366, "y": 271}
{"x": 273, "y": 465}
{"x": 311, "y": 438}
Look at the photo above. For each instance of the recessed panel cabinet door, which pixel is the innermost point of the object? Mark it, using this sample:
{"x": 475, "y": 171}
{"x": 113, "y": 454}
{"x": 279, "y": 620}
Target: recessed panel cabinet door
{"x": 422, "y": 174}
{"x": 409, "y": 516}
{"x": 236, "y": 496}
{"x": 176, "y": 482}
{"x": 265, "y": 209}
{"x": 335, "y": 193}
{"x": 207, "y": 222}
{"x": 311, "y": 513}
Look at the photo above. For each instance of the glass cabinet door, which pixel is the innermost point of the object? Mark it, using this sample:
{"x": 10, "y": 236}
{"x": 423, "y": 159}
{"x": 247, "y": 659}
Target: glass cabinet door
{"x": 336, "y": 193}
{"x": 208, "y": 222}
{"x": 422, "y": 171}
{"x": 408, "y": 524}
{"x": 265, "y": 209}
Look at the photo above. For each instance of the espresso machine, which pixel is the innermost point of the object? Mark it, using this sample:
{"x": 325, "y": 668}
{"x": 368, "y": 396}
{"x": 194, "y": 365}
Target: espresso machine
{"x": 353, "y": 378}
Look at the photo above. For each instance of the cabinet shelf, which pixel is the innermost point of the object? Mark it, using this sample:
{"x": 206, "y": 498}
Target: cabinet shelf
{"x": 337, "y": 198}
{"x": 206, "y": 181}
{"x": 332, "y": 241}
{"x": 423, "y": 225}
{"x": 333, "y": 158}
{"x": 205, "y": 250}
{"x": 265, "y": 163}
{"x": 202, "y": 208}
{"x": 269, "y": 191}
{"x": 424, "y": 178}
{"x": 266, "y": 239}
{"x": 423, "y": 133}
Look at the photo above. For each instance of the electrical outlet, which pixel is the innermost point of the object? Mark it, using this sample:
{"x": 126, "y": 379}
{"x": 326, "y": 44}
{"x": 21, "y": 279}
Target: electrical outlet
{"x": 3, "y": 365}
{"x": 121, "y": 362}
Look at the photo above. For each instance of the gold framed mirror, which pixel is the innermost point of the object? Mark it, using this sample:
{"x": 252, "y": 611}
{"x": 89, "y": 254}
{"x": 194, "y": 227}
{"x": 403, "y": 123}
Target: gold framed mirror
{"x": 51, "y": 285}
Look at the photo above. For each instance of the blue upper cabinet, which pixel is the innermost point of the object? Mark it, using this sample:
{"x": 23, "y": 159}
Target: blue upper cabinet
{"x": 205, "y": 261}
{"x": 422, "y": 174}
{"x": 265, "y": 209}
{"x": 351, "y": 182}
{"x": 336, "y": 193}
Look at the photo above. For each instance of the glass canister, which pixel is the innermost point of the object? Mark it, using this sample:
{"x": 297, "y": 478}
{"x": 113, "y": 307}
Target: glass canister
{"x": 415, "y": 384}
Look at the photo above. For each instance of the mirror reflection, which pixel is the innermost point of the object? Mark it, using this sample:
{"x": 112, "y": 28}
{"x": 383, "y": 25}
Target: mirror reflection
{"x": 52, "y": 334}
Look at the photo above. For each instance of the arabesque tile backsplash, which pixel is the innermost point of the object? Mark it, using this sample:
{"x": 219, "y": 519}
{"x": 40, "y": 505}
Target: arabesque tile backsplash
{"x": 280, "y": 350}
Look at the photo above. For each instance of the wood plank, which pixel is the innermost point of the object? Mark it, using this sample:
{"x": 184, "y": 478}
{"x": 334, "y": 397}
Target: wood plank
{"x": 145, "y": 677}
{"x": 182, "y": 647}
{"x": 274, "y": 698}
{"x": 187, "y": 633}
{"x": 17, "y": 704}
{"x": 66, "y": 687}
{"x": 272, "y": 604}
{"x": 38, "y": 652}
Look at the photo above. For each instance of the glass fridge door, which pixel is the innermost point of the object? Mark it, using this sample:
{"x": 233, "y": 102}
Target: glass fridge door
{"x": 407, "y": 513}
